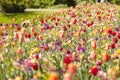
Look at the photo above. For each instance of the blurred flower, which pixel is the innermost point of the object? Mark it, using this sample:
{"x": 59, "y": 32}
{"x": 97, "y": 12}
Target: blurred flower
{"x": 18, "y": 78}
{"x": 71, "y": 68}
{"x": 20, "y": 50}
{"x": 118, "y": 52}
{"x": 105, "y": 57}
{"x": 37, "y": 75}
{"x": 67, "y": 76}
{"x": 53, "y": 76}
{"x": 94, "y": 70}
{"x": 94, "y": 44}
{"x": 113, "y": 72}
{"x": 34, "y": 50}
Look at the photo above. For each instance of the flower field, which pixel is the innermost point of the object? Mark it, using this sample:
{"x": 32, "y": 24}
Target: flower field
{"x": 81, "y": 43}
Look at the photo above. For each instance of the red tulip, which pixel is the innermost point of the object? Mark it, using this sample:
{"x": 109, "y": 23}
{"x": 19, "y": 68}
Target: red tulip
{"x": 115, "y": 40}
{"x": 109, "y": 31}
{"x": 34, "y": 66}
{"x": 113, "y": 33}
{"x": 29, "y": 35}
{"x": 56, "y": 23}
{"x": 68, "y": 59}
{"x": 113, "y": 45}
{"x": 99, "y": 18}
{"x": 35, "y": 34}
{"x": 94, "y": 70}
{"x": 118, "y": 35}
{"x": 18, "y": 28}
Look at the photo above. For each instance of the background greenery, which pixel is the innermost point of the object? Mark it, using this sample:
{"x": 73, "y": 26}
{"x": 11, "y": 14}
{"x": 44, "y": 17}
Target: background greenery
{"x": 18, "y": 6}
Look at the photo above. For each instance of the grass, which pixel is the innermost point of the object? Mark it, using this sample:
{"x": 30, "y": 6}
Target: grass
{"x": 8, "y": 18}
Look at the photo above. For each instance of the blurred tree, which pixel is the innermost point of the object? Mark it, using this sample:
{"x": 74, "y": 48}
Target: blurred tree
{"x": 12, "y": 6}
{"x": 60, "y": 2}
{"x": 71, "y": 2}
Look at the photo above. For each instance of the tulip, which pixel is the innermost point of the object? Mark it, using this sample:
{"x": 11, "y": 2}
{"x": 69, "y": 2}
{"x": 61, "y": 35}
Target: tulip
{"x": 94, "y": 70}
{"x": 35, "y": 34}
{"x": 113, "y": 45}
{"x": 62, "y": 34}
{"x": 105, "y": 57}
{"x": 53, "y": 76}
{"x": 71, "y": 68}
{"x": 4, "y": 28}
{"x": 34, "y": 66}
{"x": 92, "y": 55}
{"x": 115, "y": 40}
{"x": 21, "y": 38}
{"x": 29, "y": 35}
{"x": 18, "y": 78}
{"x": 113, "y": 73}
{"x": 113, "y": 33}
{"x": 67, "y": 76}
{"x": 20, "y": 50}
{"x": 40, "y": 38}
{"x": 23, "y": 30}
{"x": 16, "y": 36}
{"x": 67, "y": 59}
{"x": 118, "y": 35}
{"x": 94, "y": 44}
{"x": 18, "y": 28}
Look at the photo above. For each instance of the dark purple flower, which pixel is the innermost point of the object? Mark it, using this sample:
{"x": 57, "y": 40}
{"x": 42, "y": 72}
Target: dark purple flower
{"x": 82, "y": 49}
{"x": 96, "y": 38}
{"x": 58, "y": 43}
{"x": 61, "y": 49}
{"x": 20, "y": 61}
{"x": 117, "y": 29}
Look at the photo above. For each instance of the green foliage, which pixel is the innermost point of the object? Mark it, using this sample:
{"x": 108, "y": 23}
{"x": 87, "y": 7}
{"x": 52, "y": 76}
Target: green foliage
{"x": 43, "y": 3}
{"x": 12, "y": 7}
{"x": 60, "y": 2}
{"x": 115, "y": 1}
{"x": 71, "y": 2}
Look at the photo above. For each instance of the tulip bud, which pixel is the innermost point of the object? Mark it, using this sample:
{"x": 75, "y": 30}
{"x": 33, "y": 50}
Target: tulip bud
{"x": 94, "y": 44}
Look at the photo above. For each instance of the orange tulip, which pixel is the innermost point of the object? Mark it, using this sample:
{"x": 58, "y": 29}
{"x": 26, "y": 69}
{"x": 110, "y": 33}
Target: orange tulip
{"x": 53, "y": 76}
{"x": 40, "y": 37}
{"x": 71, "y": 68}
{"x": 82, "y": 43}
{"x": 19, "y": 50}
{"x": 94, "y": 44}
{"x": 11, "y": 26}
{"x": 105, "y": 57}
{"x": 4, "y": 28}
